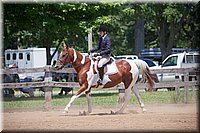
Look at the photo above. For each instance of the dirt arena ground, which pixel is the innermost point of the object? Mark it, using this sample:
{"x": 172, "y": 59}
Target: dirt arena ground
{"x": 164, "y": 117}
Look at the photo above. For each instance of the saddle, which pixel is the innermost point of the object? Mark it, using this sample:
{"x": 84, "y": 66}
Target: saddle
{"x": 109, "y": 62}
{"x": 109, "y": 68}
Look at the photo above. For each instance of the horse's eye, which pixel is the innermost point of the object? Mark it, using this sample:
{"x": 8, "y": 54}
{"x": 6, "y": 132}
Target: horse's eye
{"x": 64, "y": 55}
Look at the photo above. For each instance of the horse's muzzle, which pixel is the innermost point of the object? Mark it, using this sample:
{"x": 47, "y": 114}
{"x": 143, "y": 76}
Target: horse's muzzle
{"x": 58, "y": 67}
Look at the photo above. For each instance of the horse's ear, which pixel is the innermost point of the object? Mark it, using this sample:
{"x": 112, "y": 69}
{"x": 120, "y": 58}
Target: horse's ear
{"x": 65, "y": 45}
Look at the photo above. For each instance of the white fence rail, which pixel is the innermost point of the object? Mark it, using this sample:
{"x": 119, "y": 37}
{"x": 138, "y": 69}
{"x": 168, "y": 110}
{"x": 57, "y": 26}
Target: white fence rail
{"x": 48, "y": 84}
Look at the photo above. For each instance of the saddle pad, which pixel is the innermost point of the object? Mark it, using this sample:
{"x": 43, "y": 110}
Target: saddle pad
{"x": 111, "y": 69}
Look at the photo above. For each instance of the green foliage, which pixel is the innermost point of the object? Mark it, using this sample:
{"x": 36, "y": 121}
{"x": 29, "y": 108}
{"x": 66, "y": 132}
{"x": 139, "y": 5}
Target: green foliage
{"x": 47, "y": 25}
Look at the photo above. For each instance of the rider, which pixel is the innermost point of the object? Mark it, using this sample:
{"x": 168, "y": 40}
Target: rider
{"x": 105, "y": 53}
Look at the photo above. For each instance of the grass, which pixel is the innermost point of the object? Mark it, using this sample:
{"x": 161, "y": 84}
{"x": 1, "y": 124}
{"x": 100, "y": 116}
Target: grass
{"x": 99, "y": 99}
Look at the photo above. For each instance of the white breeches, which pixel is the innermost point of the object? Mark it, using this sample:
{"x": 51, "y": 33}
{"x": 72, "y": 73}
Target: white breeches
{"x": 103, "y": 61}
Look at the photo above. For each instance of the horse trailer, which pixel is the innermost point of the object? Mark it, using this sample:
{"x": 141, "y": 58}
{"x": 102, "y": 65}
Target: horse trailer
{"x": 28, "y": 58}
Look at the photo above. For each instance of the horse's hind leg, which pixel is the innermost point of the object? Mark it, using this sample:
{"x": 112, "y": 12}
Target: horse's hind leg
{"x": 136, "y": 92}
{"x": 89, "y": 100}
{"x": 127, "y": 97}
{"x": 121, "y": 97}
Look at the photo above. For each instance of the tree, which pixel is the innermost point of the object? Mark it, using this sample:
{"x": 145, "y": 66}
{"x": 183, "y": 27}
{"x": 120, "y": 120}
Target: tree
{"x": 170, "y": 20}
{"x": 131, "y": 25}
{"x": 46, "y": 25}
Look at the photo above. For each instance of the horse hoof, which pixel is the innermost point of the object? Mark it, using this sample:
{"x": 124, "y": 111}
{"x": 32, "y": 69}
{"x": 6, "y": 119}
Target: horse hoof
{"x": 84, "y": 112}
{"x": 65, "y": 111}
{"x": 115, "y": 113}
{"x": 111, "y": 112}
{"x": 89, "y": 111}
{"x": 80, "y": 113}
{"x": 144, "y": 110}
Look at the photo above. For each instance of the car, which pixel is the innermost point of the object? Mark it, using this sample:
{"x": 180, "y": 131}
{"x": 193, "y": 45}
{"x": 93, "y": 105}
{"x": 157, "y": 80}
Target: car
{"x": 126, "y": 57}
{"x": 150, "y": 62}
{"x": 9, "y": 78}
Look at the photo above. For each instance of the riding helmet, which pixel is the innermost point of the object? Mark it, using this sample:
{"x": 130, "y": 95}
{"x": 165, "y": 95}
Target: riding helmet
{"x": 103, "y": 28}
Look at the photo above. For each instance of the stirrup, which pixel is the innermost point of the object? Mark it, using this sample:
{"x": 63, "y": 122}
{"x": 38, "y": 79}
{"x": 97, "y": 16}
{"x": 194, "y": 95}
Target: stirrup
{"x": 100, "y": 82}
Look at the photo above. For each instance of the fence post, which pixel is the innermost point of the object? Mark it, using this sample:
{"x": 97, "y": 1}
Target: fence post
{"x": 193, "y": 88}
{"x": 177, "y": 91}
{"x": 48, "y": 91}
{"x": 186, "y": 79}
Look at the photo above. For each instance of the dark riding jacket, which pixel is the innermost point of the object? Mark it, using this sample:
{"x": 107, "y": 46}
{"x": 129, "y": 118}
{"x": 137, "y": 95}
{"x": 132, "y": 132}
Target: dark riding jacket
{"x": 103, "y": 46}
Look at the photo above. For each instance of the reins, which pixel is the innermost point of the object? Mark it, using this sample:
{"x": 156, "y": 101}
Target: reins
{"x": 77, "y": 66}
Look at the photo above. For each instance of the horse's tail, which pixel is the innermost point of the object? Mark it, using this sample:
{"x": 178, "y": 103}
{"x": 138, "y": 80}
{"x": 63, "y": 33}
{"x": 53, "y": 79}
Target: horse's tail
{"x": 146, "y": 73}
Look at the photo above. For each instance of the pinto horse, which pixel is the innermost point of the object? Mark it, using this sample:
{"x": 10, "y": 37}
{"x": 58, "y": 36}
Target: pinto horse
{"x": 127, "y": 72}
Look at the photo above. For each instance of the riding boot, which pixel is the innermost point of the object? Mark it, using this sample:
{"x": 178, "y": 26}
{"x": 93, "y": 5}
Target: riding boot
{"x": 101, "y": 73}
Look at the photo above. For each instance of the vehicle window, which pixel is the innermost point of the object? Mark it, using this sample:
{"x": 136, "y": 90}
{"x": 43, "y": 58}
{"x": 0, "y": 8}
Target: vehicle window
{"x": 28, "y": 57}
{"x": 189, "y": 59}
{"x": 14, "y": 56}
{"x": 172, "y": 61}
{"x": 129, "y": 58}
{"x": 150, "y": 64}
{"x": 8, "y": 56}
{"x": 20, "y": 55}
{"x": 121, "y": 57}
{"x": 197, "y": 58}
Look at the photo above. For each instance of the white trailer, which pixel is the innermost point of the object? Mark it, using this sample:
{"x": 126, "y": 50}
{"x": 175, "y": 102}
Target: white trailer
{"x": 28, "y": 58}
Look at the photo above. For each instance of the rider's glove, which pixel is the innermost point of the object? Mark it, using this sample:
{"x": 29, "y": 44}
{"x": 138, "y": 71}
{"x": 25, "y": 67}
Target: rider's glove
{"x": 89, "y": 52}
{"x": 97, "y": 54}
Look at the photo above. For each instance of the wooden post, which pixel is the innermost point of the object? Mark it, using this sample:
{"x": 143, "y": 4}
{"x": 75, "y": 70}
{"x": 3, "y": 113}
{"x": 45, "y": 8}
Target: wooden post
{"x": 90, "y": 39}
{"x": 193, "y": 89}
{"x": 186, "y": 79}
{"x": 48, "y": 98}
{"x": 48, "y": 91}
{"x": 177, "y": 91}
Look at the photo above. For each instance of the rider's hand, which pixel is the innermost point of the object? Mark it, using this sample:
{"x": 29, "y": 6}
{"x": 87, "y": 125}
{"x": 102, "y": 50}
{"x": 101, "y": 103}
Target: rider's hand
{"x": 89, "y": 52}
{"x": 97, "y": 54}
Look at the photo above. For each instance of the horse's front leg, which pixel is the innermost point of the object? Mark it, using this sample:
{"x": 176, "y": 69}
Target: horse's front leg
{"x": 78, "y": 93}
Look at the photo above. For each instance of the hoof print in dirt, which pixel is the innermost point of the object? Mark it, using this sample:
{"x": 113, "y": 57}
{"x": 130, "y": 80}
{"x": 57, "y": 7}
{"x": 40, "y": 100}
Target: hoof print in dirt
{"x": 84, "y": 113}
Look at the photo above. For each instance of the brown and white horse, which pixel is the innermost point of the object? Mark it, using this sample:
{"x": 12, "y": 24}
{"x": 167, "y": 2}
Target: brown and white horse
{"x": 127, "y": 72}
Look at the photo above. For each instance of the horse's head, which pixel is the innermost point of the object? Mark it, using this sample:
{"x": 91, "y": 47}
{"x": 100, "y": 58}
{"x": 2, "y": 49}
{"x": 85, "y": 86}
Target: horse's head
{"x": 64, "y": 57}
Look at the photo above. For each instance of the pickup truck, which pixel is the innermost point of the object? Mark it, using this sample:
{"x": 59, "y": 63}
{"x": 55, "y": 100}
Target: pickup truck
{"x": 180, "y": 60}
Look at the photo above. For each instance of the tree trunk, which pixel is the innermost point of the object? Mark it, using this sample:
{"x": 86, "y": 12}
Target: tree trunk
{"x": 171, "y": 37}
{"x": 166, "y": 36}
{"x": 48, "y": 54}
{"x": 139, "y": 35}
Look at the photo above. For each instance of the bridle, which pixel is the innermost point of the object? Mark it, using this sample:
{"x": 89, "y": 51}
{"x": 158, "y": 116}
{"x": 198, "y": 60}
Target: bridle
{"x": 77, "y": 66}
{"x": 62, "y": 62}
